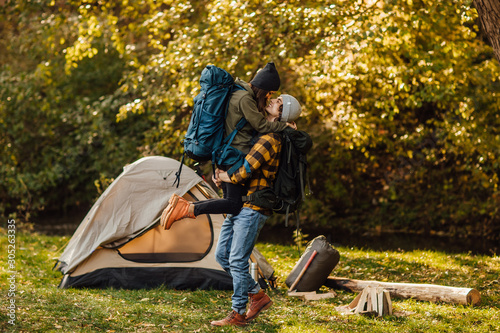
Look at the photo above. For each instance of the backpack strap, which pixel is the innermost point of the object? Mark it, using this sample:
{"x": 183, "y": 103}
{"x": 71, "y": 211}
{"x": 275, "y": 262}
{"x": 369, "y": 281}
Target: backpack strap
{"x": 239, "y": 126}
{"x": 298, "y": 220}
{"x": 242, "y": 121}
{"x": 178, "y": 173}
{"x": 290, "y": 147}
{"x": 301, "y": 175}
{"x": 227, "y": 142}
{"x": 199, "y": 115}
{"x": 286, "y": 218}
{"x": 229, "y": 139}
{"x": 236, "y": 166}
{"x": 234, "y": 88}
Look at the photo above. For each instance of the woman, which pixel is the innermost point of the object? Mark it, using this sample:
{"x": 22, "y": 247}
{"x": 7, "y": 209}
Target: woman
{"x": 282, "y": 110}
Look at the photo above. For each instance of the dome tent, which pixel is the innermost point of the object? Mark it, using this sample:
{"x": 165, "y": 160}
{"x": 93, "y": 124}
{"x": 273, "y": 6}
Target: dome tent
{"x": 120, "y": 243}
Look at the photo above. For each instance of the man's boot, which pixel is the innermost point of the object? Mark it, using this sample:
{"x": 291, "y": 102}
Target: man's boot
{"x": 177, "y": 209}
{"x": 234, "y": 318}
{"x": 258, "y": 303}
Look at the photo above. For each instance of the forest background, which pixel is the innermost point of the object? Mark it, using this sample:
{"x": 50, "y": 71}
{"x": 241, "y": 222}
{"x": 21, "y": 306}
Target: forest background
{"x": 401, "y": 97}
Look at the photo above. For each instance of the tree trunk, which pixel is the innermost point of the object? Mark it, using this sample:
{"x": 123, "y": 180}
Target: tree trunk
{"x": 489, "y": 15}
{"x": 421, "y": 292}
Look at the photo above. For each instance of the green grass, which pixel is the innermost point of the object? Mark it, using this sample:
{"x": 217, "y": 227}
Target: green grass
{"x": 44, "y": 308}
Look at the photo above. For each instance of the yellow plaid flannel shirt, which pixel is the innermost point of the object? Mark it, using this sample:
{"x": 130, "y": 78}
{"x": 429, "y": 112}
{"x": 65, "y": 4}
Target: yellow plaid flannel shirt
{"x": 260, "y": 167}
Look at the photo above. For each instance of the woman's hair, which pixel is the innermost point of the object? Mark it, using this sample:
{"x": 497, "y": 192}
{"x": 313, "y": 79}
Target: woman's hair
{"x": 261, "y": 98}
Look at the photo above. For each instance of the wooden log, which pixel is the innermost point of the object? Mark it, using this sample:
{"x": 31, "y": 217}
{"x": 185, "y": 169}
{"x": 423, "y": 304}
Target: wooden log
{"x": 311, "y": 295}
{"x": 421, "y": 292}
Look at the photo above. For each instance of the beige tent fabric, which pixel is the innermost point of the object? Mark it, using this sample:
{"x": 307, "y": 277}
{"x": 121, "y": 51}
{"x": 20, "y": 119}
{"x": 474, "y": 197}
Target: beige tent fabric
{"x": 106, "y": 258}
{"x": 185, "y": 236}
{"x": 158, "y": 240}
{"x": 132, "y": 203}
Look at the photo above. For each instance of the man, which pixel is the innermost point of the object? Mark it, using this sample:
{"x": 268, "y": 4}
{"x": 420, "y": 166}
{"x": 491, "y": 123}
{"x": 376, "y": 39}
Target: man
{"x": 239, "y": 233}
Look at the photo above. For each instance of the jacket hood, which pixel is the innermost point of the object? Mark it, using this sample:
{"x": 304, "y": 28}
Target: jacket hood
{"x": 244, "y": 85}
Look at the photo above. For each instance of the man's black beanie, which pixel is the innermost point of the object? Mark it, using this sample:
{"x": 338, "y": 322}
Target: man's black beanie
{"x": 267, "y": 78}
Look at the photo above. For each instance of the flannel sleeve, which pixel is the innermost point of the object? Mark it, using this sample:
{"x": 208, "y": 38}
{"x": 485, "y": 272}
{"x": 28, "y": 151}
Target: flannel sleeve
{"x": 263, "y": 151}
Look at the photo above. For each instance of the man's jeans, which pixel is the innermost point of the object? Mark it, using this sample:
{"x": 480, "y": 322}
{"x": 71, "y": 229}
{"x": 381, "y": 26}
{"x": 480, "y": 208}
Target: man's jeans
{"x": 236, "y": 241}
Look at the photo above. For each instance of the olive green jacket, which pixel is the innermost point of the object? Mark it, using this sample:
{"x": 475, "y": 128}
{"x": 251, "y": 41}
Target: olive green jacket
{"x": 243, "y": 104}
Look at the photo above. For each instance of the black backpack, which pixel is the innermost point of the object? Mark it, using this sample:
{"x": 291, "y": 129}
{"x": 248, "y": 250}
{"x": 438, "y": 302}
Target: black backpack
{"x": 288, "y": 190}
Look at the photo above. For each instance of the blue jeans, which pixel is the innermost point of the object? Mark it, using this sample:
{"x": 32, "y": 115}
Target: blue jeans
{"x": 236, "y": 241}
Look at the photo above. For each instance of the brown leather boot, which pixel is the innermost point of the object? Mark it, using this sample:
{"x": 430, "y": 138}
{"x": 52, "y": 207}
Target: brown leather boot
{"x": 234, "y": 318}
{"x": 258, "y": 303}
{"x": 177, "y": 209}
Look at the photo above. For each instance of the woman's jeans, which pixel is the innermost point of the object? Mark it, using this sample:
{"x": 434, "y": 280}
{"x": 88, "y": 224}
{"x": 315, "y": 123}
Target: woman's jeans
{"x": 236, "y": 241}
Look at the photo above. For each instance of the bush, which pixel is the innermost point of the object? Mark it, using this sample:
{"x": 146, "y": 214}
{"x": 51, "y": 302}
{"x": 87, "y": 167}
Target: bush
{"x": 401, "y": 98}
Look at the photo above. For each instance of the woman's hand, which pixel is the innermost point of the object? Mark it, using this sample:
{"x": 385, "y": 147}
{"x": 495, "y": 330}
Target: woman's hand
{"x": 292, "y": 125}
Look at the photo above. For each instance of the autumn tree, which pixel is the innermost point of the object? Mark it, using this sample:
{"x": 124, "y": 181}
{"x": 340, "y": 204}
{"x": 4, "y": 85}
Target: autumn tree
{"x": 401, "y": 98}
{"x": 489, "y": 14}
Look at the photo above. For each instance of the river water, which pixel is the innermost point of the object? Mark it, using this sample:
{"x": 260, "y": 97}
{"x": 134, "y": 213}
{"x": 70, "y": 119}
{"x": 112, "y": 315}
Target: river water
{"x": 386, "y": 242}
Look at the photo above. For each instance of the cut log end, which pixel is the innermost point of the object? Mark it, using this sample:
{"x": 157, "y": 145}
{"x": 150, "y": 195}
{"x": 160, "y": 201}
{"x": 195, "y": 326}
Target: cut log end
{"x": 473, "y": 297}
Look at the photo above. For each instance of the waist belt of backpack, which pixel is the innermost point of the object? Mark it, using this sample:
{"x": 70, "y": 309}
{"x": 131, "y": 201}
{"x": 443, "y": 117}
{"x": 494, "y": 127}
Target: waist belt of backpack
{"x": 264, "y": 198}
{"x": 257, "y": 200}
{"x": 246, "y": 198}
{"x": 251, "y": 197}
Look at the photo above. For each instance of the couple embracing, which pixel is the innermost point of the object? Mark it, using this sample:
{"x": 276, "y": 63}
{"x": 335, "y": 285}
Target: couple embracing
{"x": 260, "y": 141}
